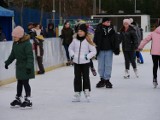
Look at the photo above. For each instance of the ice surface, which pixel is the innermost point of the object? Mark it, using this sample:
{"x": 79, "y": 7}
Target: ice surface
{"x": 52, "y": 93}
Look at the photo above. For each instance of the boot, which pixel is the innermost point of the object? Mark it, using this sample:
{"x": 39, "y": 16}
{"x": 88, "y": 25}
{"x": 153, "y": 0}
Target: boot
{"x": 76, "y": 97}
{"x": 93, "y": 71}
{"x": 108, "y": 84}
{"x": 126, "y": 76}
{"x": 101, "y": 83}
{"x": 27, "y": 103}
{"x": 17, "y": 102}
{"x": 155, "y": 83}
{"x": 87, "y": 94}
{"x": 136, "y": 72}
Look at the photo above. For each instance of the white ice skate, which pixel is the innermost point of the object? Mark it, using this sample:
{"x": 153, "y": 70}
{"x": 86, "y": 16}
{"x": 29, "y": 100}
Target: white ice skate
{"x": 155, "y": 83}
{"x": 76, "y": 97}
{"x": 87, "y": 95}
{"x": 136, "y": 72}
{"x": 126, "y": 76}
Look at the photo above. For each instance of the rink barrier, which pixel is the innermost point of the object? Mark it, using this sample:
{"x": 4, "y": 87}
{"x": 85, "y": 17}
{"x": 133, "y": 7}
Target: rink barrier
{"x": 54, "y": 57}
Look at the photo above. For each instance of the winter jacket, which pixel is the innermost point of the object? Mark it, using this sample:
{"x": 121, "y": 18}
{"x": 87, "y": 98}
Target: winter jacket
{"x": 139, "y": 33}
{"x": 67, "y": 34}
{"x": 105, "y": 38}
{"x": 129, "y": 39}
{"x": 22, "y": 52}
{"x": 155, "y": 38}
{"x": 81, "y": 51}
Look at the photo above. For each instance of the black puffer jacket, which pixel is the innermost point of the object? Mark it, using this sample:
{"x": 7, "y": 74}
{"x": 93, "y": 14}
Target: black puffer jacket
{"x": 67, "y": 34}
{"x": 106, "y": 39}
{"x": 129, "y": 39}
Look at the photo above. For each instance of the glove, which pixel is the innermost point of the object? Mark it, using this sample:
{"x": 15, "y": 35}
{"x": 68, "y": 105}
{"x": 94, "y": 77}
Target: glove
{"x": 72, "y": 58}
{"x": 28, "y": 71}
{"x": 6, "y": 66}
{"x": 86, "y": 57}
{"x": 116, "y": 52}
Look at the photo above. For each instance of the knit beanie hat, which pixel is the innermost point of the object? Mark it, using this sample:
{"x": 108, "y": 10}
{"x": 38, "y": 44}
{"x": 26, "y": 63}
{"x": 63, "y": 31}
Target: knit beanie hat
{"x": 127, "y": 21}
{"x": 18, "y": 32}
{"x": 105, "y": 19}
{"x": 82, "y": 27}
{"x": 131, "y": 20}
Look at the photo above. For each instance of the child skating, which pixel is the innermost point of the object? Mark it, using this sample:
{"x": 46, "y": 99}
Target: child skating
{"x": 81, "y": 51}
{"x": 155, "y": 51}
{"x": 23, "y": 54}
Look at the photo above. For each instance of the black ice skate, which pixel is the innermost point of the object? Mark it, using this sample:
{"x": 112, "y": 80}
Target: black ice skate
{"x": 27, "y": 103}
{"x": 93, "y": 71}
{"x": 101, "y": 83}
{"x": 155, "y": 83}
{"x": 16, "y": 103}
{"x": 108, "y": 84}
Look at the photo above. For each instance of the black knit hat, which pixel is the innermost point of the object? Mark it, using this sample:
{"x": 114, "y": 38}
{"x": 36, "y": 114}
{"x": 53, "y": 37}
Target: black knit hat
{"x": 105, "y": 19}
{"x": 82, "y": 27}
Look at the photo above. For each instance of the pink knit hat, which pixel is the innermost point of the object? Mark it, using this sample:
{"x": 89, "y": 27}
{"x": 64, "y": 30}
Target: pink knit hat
{"x": 18, "y": 32}
{"x": 127, "y": 21}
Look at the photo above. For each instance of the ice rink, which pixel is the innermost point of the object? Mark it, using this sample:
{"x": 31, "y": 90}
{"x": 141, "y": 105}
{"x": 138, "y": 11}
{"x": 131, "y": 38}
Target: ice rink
{"x": 52, "y": 93}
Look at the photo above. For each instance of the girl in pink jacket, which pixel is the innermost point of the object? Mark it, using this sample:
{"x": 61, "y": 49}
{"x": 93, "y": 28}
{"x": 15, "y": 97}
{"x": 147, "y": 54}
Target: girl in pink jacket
{"x": 155, "y": 51}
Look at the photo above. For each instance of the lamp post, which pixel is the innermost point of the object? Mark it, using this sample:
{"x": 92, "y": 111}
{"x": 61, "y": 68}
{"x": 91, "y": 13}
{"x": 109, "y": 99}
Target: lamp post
{"x": 99, "y": 6}
{"x": 53, "y": 11}
{"x": 135, "y": 6}
{"x": 94, "y": 7}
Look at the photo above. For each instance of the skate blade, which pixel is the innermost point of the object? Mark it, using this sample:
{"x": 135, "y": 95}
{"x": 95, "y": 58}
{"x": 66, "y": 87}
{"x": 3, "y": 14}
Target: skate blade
{"x": 155, "y": 85}
{"x": 25, "y": 108}
{"x": 76, "y": 101}
{"x": 126, "y": 77}
{"x": 16, "y": 106}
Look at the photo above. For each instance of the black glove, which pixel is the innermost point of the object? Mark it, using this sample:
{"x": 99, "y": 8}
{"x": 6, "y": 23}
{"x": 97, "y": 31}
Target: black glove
{"x": 86, "y": 57}
{"x": 28, "y": 71}
{"x": 116, "y": 52}
{"x": 72, "y": 58}
{"x": 6, "y": 66}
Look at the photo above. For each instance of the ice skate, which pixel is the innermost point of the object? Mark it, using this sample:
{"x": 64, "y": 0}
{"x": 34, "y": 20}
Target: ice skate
{"x": 101, "y": 83}
{"x": 87, "y": 95}
{"x": 76, "y": 97}
{"x": 93, "y": 71}
{"x": 136, "y": 72}
{"x": 126, "y": 76}
{"x": 108, "y": 84}
{"x": 155, "y": 83}
{"x": 16, "y": 103}
{"x": 27, "y": 103}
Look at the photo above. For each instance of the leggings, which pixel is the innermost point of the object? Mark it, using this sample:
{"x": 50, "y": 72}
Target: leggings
{"x": 156, "y": 63}
{"x": 25, "y": 84}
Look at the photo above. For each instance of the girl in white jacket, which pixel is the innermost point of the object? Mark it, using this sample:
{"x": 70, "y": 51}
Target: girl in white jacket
{"x": 81, "y": 51}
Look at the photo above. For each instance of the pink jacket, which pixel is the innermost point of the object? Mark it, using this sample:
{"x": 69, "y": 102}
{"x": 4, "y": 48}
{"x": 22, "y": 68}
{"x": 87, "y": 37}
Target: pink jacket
{"x": 155, "y": 37}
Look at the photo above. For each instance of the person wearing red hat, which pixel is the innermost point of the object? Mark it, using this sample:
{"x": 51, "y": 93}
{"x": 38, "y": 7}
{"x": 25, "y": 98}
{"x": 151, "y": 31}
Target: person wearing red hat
{"x": 23, "y": 54}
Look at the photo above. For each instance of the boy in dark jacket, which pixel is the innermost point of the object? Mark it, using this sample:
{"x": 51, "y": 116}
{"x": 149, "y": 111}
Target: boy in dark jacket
{"x": 106, "y": 44}
{"x": 22, "y": 52}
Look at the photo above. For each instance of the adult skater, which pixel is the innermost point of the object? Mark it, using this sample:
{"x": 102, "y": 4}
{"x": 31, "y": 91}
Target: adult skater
{"x": 129, "y": 46}
{"x": 81, "y": 51}
{"x": 155, "y": 51}
{"x": 23, "y": 54}
{"x": 106, "y": 44}
{"x": 67, "y": 34}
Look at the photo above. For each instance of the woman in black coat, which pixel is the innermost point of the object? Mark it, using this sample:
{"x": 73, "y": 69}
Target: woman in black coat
{"x": 129, "y": 45}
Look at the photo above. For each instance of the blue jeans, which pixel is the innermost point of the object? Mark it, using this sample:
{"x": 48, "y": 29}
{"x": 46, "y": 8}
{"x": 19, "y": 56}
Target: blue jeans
{"x": 105, "y": 59}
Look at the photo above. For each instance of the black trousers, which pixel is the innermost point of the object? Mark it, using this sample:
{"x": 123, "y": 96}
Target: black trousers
{"x": 81, "y": 71}
{"x": 20, "y": 85}
{"x": 40, "y": 63}
{"x": 156, "y": 63}
{"x": 129, "y": 57}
